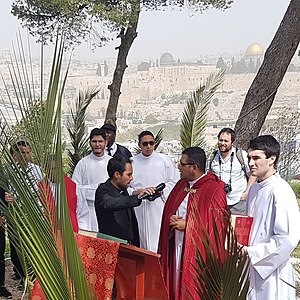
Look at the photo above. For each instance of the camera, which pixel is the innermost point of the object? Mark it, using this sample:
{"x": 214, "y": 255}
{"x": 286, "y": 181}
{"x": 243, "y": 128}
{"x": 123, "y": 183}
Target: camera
{"x": 227, "y": 188}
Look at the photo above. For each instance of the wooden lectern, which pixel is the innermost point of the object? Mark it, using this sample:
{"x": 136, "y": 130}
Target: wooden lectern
{"x": 139, "y": 275}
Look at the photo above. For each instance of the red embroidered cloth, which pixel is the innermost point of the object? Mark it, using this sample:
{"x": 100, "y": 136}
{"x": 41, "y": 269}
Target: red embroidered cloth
{"x": 99, "y": 258}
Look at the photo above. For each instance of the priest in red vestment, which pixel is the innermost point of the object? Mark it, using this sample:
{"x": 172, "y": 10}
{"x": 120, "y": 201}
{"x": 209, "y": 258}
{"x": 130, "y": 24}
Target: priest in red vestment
{"x": 48, "y": 188}
{"x": 196, "y": 204}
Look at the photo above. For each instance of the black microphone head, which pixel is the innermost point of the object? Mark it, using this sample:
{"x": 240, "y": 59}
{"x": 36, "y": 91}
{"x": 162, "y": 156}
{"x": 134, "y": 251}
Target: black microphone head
{"x": 160, "y": 187}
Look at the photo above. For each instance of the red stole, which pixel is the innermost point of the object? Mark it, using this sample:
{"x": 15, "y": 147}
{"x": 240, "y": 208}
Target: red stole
{"x": 206, "y": 202}
{"x": 48, "y": 199}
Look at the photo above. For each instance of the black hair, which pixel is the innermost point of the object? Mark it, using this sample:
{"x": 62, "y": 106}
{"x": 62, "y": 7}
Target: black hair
{"x": 109, "y": 127}
{"x": 117, "y": 164}
{"x": 98, "y": 131}
{"x": 144, "y": 133}
{"x": 268, "y": 144}
{"x": 228, "y": 131}
{"x": 14, "y": 149}
{"x": 196, "y": 156}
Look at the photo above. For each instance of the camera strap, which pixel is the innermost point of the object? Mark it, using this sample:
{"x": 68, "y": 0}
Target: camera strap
{"x": 231, "y": 161}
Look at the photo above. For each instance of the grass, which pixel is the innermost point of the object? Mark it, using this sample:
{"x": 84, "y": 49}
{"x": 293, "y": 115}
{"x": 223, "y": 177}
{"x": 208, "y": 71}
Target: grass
{"x": 296, "y": 252}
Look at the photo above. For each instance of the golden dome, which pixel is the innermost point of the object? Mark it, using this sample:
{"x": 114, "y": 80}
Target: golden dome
{"x": 254, "y": 49}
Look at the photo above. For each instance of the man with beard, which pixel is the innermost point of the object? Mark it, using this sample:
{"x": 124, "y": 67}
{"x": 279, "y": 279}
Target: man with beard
{"x": 88, "y": 174}
{"x": 230, "y": 165}
{"x": 195, "y": 208}
{"x": 114, "y": 206}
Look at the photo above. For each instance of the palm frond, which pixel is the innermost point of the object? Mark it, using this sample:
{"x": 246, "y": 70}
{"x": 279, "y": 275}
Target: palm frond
{"x": 48, "y": 249}
{"x": 158, "y": 138}
{"x": 221, "y": 268}
{"x": 194, "y": 116}
{"x": 77, "y": 128}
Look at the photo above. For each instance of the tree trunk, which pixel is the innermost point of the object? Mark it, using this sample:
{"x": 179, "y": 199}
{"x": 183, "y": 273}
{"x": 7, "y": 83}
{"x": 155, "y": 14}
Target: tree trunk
{"x": 261, "y": 93}
{"x": 121, "y": 65}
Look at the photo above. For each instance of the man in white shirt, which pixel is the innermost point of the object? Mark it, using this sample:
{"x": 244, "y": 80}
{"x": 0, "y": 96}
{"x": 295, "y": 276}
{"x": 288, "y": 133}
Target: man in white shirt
{"x": 88, "y": 174}
{"x": 150, "y": 169}
{"x": 275, "y": 229}
{"x": 22, "y": 153}
{"x": 230, "y": 165}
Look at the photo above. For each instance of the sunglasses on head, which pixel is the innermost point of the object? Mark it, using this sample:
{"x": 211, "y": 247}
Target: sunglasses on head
{"x": 145, "y": 144}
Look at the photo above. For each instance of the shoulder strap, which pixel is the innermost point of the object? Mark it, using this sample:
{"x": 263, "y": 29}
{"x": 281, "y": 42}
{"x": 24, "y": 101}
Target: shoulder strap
{"x": 240, "y": 158}
{"x": 212, "y": 158}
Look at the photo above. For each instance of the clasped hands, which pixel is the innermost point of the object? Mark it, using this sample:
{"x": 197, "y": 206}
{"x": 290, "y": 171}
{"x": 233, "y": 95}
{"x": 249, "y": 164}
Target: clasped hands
{"x": 177, "y": 222}
{"x": 242, "y": 248}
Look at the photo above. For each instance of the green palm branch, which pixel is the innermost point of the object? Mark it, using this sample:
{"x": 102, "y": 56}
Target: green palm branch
{"x": 77, "y": 128}
{"x": 194, "y": 116}
{"x": 157, "y": 138}
{"x": 221, "y": 268}
{"x": 49, "y": 251}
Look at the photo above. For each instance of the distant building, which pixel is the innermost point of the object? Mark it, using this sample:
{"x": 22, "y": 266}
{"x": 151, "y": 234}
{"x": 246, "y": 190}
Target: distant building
{"x": 254, "y": 50}
{"x": 251, "y": 60}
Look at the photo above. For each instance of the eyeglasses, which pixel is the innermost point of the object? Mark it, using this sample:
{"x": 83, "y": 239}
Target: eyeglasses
{"x": 184, "y": 164}
{"x": 145, "y": 144}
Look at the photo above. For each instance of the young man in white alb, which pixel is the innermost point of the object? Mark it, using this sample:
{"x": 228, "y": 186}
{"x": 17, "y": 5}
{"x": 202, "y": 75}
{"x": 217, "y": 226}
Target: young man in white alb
{"x": 150, "y": 169}
{"x": 88, "y": 174}
{"x": 275, "y": 230}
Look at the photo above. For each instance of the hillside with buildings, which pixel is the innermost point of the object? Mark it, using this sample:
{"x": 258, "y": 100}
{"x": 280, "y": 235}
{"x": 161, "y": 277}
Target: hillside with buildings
{"x": 154, "y": 92}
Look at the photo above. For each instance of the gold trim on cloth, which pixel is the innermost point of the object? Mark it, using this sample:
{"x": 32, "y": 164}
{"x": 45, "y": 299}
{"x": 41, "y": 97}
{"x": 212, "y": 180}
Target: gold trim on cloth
{"x": 190, "y": 190}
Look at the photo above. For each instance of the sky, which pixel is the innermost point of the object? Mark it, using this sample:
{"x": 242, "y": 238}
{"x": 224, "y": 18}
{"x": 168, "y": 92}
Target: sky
{"x": 185, "y": 34}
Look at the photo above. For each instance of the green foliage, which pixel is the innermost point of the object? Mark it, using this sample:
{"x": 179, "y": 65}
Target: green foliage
{"x": 92, "y": 20}
{"x": 221, "y": 270}
{"x": 33, "y": 114}
{"x": 194, "y": 117}
{"x": 77, "y": 19}
{"x": 77, "y": 128}
{"x": 296, "y": 253}
{"x": 295, "y": 185}
{"x": 48, "y": 249}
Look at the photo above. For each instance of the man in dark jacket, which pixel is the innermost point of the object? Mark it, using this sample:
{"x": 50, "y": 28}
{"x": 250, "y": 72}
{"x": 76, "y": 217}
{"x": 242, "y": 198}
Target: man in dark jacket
{"x": 112, "y": 148}
{"x": 114, "y": 206}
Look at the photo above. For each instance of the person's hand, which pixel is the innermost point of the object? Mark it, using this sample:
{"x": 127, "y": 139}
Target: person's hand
{"x": 9, "y": 197}
{"x": 244, "y": 196}
{"x": 2, "y": 220}
{"x": 145, "y": 191}
{"x": 242, "y": 248}
{"x": 177, "y": 222}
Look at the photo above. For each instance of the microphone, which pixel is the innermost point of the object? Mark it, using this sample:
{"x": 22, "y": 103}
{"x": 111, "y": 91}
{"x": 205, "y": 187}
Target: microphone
{"x": 158, "y": 190}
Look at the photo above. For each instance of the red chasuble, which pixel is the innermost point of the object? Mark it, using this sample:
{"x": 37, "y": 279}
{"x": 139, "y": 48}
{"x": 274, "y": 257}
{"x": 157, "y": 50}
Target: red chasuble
{"x": 206, "y": 206}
